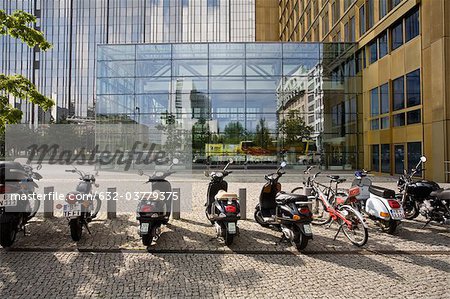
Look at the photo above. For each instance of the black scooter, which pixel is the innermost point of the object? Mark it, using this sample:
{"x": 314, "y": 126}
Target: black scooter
{"x": 288, "y": 212}
{"x": 155, "y": 207}
{"x": 17, "y": 188}
{"x": 222, "y": 208}
{"x": 79, "y": 206}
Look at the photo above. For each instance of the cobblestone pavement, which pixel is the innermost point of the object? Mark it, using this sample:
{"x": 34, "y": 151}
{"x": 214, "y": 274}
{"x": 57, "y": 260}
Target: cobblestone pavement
{"x": 132, "y": 275}
{"x": 188, "y": 261}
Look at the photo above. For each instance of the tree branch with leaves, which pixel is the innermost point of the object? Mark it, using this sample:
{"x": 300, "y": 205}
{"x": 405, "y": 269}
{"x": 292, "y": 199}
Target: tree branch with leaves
{"x": 19, "y": 25}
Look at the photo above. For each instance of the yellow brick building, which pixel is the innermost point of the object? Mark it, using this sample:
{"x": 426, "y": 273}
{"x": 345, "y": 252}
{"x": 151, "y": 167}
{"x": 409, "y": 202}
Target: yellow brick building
{"x": 404, "y": 56}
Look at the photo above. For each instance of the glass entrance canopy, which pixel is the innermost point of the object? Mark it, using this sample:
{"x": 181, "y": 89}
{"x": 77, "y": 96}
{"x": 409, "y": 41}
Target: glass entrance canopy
{"x": 253, "y": 102}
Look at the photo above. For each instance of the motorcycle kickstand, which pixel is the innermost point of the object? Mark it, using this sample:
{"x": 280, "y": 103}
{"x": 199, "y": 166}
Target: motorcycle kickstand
{"x": 428, "y": 222}
{"x": 283, "y": 240}
{"x": 337, "y": 233}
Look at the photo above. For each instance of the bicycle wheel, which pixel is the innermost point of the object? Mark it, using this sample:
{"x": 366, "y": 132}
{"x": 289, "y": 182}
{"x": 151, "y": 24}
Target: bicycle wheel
{"x": 320, "y": 215}
{"x": 357, "y": 233}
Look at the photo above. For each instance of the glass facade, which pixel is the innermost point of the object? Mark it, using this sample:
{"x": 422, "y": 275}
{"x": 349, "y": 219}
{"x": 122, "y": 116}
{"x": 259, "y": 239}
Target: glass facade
{"x": 251, "y": 101}
{"x": 67, "y": 72}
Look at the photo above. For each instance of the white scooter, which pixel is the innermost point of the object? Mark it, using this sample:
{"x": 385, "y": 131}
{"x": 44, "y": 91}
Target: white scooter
{"x": 380, "y": 204}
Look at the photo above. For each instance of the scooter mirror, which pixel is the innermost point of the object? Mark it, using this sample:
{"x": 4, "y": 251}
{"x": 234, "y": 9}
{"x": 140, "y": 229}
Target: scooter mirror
{"x": 206, "y": 173}
{"x": 39, "y": 167}
{"x": 283, "y": 164}
{"x": 141, "y": 172}
{"x": 423, "y": 159}
{"x": 230, "y": 161}
{"x": 175, "y": 161}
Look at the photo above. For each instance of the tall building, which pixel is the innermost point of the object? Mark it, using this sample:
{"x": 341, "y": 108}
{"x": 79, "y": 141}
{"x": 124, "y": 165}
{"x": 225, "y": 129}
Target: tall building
{"x": 403, "y": 57}
{"x": 67, "y": 72}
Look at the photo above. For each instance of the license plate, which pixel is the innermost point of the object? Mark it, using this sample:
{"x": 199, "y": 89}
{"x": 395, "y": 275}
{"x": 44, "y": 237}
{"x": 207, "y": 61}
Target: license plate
{"x": 307, "y": 229}
{"x": 397, "y": 214}
{"x": 144, "y": 228}
{"x": 72, "y": 210}
{"x": 7, "y": 200}
{"x": 231, "y": 228}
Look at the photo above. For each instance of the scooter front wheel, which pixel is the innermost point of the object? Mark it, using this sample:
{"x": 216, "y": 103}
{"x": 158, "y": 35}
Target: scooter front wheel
{"x": 76, "y": 229}
{"x": 7, "y": 234}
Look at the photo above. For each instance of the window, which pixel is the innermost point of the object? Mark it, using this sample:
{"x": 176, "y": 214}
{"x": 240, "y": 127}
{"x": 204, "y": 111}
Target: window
{"x": 346, "y": 33}
{"x": 373, "y": 51}
{"x": 394, "y": 3}
{"x": 413, "y": 117}
{"x": 398, "y": 94}
{"x": 399, "y": 155}
{"x": 414, "y": 154}
{"x": 413, "y": 88}
{"x": 399, "y": 120}
{"x": 325, "y": 23}
{"x": 383, "y": 44}
{"x": 375, "y": 157}
{"x": 384, "y": 98}
{"x": 360, "y": 60}
{"x": 362, "y": 21}
{"x": 383, "y": 8}
{"x": 370, "y": 9}
{"x": 352, "y": 29}
{"x": 397, "y": 35}
{"x": 385, "y": 124}
{"x": 374, "y": 103}
{"x": 375, "y": 124}
{"x": 386, "y": 158}
{"x": 412, "y": 25}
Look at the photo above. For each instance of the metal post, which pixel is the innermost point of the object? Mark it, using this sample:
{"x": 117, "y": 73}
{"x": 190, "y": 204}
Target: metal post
{"x": 243, "y": 203}
{"x": 176, "y": 204}
{"x": 111, "y": 204}
{"x": 49, "y": 195}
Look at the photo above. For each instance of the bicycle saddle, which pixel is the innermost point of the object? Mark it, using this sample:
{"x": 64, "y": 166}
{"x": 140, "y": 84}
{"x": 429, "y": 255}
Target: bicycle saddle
{"x": 336, "y": 178}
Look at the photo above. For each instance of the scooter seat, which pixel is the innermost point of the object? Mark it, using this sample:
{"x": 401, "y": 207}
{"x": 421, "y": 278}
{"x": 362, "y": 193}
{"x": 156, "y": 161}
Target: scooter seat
{"x": 284, "y": 197}
{"x": 224, "y": 195}
{"x": 382, "y": 192}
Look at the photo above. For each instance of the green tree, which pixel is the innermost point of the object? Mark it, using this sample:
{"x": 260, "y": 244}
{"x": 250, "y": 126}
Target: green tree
{"x": 262, "y": 137}
{"x": 19, "y": 25}
{"x": 294, "y": 129}
{"x": 233, "y": 133}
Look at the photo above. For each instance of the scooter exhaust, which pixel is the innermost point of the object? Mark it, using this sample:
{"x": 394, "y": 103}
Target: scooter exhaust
{"x": 218, "y": 229}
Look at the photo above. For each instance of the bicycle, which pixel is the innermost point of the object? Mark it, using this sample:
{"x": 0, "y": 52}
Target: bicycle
{"x": 336, "y": 207}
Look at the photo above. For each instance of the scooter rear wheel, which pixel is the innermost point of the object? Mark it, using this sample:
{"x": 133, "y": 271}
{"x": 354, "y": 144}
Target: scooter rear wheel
{"x": 76, "y": 229}
{"x": 259, "y": 218}
{"x": 7, "y": 235}
{"x": 228, "y": 239}
{"x": 300, "y": 240}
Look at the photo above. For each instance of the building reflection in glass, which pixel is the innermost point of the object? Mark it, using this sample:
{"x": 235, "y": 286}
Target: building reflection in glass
{"x": 254, "y": 102}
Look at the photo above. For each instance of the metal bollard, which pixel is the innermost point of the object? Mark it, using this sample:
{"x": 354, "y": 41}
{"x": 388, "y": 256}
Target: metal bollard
{"x": 176, "y": 204}
{"x": 243, "y": 203}
{"x": 111, "y": 204}
{"x": 49, "y": 197}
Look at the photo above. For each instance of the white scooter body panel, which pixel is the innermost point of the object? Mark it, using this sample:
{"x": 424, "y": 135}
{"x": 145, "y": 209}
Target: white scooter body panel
{"x": 376, "y": 204}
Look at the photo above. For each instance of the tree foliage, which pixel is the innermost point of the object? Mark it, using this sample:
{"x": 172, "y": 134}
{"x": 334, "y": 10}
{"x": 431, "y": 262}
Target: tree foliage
{"x": 19, "y": 25}
{"x": 262, "y": 136}
{"x": 294, "y": 129}
{"x": 233, "y": 132}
